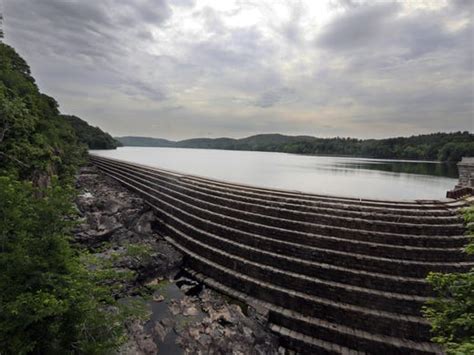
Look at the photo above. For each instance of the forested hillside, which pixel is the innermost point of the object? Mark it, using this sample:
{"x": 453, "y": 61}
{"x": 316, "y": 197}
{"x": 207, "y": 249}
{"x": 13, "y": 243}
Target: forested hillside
{"x": 35, "y": 141}
{"x": 437, "y": 146}
{"x": 93, "y": 137}
{"x": 133, "y": 141}
{"x": 51, "y": 302}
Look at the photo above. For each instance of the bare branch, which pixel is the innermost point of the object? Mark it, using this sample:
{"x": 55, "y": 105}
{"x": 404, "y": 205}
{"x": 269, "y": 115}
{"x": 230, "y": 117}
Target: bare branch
{"x": 15, "y": 160}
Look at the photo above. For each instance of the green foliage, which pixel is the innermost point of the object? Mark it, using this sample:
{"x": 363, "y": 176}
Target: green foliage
{"x": 140, "y": 252}
{"x": 451, "y": 313}
{"x": 454, "y": 151}
{"x": 93, "y": 137}
{"x": 101, "y": 271}
{"x": 144, "y": 142}
{"x": 51, "y": 300}
{"x": 35, "y": 142}
{"x": 437, "y": 146}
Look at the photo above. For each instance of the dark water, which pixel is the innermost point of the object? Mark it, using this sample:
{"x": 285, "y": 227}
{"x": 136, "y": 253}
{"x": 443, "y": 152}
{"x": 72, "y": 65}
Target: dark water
{"x": 406, "y": 167}
{"x": 336, "y": 176}
{"x": 159, "y": 311}
{"x": 172, "y": 290}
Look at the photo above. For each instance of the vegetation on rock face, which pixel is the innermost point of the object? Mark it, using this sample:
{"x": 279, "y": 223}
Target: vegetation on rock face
{"x": 93, "y": 137}
{"x": 35, "y": 142}
{"x": 451, "y": 313}
{"x": 437, "y": 146}
{"x": 51, "y": 302}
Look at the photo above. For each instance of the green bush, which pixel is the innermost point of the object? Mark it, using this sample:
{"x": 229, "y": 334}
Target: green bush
{"x": 451, "y": 312}
{"x": 50, "y": 302}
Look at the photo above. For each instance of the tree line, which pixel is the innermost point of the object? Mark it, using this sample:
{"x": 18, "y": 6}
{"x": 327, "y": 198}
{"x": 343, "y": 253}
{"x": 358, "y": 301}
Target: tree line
{"x": 449, "y": 147}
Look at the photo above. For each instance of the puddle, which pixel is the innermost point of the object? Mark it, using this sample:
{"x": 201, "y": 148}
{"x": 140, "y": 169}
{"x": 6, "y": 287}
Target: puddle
{"x": 163, "y": 322}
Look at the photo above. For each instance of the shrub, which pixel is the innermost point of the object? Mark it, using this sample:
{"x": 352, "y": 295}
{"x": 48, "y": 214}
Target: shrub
{"x": 50, "y": 301}
{"x": 451, "y": 312}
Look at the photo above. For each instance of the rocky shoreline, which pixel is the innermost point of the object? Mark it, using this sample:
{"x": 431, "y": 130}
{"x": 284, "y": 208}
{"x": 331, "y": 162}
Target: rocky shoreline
{"x": 184, "y": 316}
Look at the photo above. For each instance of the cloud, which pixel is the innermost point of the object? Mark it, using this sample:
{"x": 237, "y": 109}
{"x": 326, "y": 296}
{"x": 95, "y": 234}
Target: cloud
{"x": 181, "y": 68}
{"x": 363, "y": 26}
{"x": 403, "y": 67}
{"x": 277, "y": 96}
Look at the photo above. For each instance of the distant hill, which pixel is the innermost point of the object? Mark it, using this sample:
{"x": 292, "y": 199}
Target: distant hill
{"x": 93, "y": 137}
{"x": 436, "y": 146}
{"x": 132, "y": 141}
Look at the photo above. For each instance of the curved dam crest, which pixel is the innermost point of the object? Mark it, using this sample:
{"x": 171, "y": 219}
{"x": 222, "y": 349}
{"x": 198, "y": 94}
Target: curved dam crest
{"x": 334, "y": 275}
{"x": 328, "y": 175}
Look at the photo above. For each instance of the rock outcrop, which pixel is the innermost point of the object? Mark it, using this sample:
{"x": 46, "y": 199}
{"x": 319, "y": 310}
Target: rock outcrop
{"x": 185, "y": 317}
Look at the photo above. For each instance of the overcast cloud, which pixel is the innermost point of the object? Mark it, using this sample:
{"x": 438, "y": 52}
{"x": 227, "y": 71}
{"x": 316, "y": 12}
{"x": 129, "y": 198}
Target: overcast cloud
{"x": 183, "y": 68}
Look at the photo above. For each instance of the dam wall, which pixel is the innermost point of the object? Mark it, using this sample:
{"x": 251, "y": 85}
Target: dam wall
{"x": 466, "y": 172}
{"x": 465, "y": 185}
{"x": 334, "y": 275}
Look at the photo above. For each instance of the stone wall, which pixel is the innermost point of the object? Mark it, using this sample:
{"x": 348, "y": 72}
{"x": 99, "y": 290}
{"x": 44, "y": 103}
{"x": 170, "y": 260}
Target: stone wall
{"x": 465, "y": 185}
{"x": 466, "y": 172}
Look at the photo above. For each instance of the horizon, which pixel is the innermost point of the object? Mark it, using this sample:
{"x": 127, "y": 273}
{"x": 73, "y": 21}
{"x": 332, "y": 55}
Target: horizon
{"x": 182, "y": 68}
{"x": 294, "y": 135}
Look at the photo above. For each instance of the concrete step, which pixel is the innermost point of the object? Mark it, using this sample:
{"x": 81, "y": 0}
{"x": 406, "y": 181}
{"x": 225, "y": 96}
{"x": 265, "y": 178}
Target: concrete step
{"x": 288, "y": 228}
{"x": 323, "y": 330}
{"x": 285, "y": 259}
{"x": 368, "y": 263}
{"x": 369, "y": 320}
{"x": 304, "y": 245}
{"x": 337, "y": 291}
{"x": 424, "y": 207}
{"x": 216, "y": 195}
{"x": 367, "y": 223}
{"x": 304, "y": 344}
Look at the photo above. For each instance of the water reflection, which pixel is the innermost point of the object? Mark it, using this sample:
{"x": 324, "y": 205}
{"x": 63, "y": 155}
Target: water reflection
{"x": 407, "y": 167}
{"x": 337, "y": 176}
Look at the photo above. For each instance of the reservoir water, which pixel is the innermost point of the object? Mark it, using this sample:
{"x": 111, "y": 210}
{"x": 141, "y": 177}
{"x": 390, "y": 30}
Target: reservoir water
{"x": 336, "y": 176}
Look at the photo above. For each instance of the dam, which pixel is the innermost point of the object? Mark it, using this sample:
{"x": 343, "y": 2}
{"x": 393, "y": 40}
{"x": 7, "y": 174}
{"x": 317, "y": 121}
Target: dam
{"x": 333, "y": 275}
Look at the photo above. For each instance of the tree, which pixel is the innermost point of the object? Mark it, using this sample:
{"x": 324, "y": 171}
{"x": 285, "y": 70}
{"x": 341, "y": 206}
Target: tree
{"x": 451, "y": 312}
{"x": 50, "y": 302}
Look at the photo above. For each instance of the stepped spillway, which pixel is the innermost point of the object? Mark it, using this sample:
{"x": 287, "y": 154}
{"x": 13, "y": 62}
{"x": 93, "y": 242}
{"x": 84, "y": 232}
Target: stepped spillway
{"x": 336, "y": 275}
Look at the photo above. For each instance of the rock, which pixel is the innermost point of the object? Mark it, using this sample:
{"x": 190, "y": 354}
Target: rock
{"x": 144, "y": 342}
{"x": 113, "y": 205}
{"x": 168, "y": 322}
{"x": 221, "y": 315}
{"x": 204, "y": 340}
{"x": 204, "y": 322}
{"x": 143, "y": 224}
{"x": 174, "y": 308}
{"x": 155, "y": 281}
{"x": 225, "y": 330}
{"x": 247, "y": 331}
{"x": 158, "y": 298}
{"x": 191, "y": 311}
{"x": 107, "y": 223}
{"x": 160, "y": 331}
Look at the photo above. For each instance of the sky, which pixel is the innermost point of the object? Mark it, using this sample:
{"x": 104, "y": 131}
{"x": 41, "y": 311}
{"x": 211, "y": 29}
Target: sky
{"x": 179, "y": 69}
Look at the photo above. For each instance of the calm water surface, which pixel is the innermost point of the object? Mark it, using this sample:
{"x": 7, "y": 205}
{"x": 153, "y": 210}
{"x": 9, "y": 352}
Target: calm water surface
{"x": 339, "y": 176}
